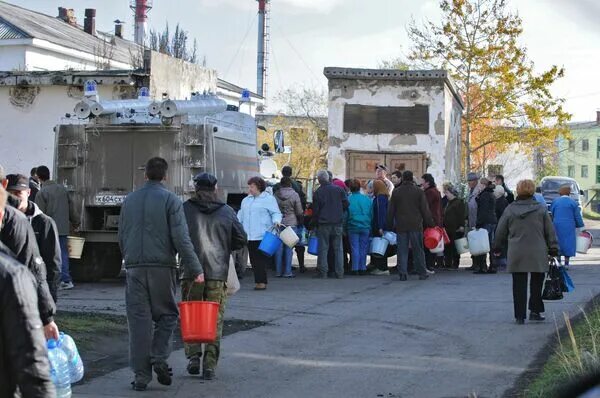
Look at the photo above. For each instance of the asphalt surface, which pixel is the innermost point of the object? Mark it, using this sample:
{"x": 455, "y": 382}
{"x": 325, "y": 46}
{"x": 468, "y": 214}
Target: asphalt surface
{"x": 449, "y": 336}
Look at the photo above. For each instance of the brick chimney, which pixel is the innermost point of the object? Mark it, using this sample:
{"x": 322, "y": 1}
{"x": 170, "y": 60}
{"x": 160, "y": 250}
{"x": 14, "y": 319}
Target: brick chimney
{"x": 119, "y": 28}
{"x": 89, "y": 23}
{"x": 67, "y": 15}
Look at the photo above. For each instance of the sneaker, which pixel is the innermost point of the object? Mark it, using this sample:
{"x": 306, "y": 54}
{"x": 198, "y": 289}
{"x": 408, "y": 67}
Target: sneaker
{"x": 379, "y": 272}
{"x": 208, "y": 374}
{"x": 163, "y": 373}
{"x": 430, "y": 271}
{"x": 193, "y": 366}
{"x": 66, "y": 286}
{"x": 403, "y": 277}
{"x": 520, "y": 321}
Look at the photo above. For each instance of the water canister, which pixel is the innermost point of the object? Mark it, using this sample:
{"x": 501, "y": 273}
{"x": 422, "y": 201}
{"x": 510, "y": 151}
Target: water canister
{"x": 462, "y": 245}
{"x": 378, "y": 247}
{"x": 59, "y": 369}
{"x": 479, "y": 242}
{"x": 67, "y": 344}
{"x": 390, "y": 237}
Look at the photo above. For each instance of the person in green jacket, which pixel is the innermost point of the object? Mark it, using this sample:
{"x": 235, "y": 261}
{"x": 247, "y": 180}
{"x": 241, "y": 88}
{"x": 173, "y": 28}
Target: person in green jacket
{"x": 360, "y": 213}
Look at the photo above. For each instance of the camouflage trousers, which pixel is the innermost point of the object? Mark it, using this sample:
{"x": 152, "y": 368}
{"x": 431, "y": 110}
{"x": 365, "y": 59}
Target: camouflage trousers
{"x": 209, "y": 291}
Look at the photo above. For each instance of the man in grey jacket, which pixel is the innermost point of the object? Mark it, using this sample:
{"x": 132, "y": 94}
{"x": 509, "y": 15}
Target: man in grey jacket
{"x": 152, "y": 229}
{"x": 54, "y": 201}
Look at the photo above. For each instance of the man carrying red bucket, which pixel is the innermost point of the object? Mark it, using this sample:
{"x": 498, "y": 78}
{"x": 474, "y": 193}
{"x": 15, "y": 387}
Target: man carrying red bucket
{"x": 215, "y": 232}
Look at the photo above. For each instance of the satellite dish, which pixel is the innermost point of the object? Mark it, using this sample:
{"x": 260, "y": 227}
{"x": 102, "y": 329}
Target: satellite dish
{"x": 268, "y": 168}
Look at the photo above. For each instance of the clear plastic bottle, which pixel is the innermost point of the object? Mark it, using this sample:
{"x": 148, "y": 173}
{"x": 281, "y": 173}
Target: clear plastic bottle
{"x": 59, "y": 370}
{"x": 67, "y": 344}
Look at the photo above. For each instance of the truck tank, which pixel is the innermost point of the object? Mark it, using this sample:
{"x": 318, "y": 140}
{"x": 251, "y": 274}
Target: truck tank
{"x": 101, "y": 159}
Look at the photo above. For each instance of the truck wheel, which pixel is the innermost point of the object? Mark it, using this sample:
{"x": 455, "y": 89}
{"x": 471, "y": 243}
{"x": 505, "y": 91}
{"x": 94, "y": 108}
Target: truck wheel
{"x": 112, "y": 260}
{"x": 89, "y": 267}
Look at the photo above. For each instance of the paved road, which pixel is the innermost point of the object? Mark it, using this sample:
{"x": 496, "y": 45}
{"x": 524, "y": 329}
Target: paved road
{"x": 365, "y": 337}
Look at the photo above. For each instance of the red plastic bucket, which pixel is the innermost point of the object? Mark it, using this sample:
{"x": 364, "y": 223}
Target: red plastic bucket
{"x": 432, "y": 237}
{"x": 198, "y": 321}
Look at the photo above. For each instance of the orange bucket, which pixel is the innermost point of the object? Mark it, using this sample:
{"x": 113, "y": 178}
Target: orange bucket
{"x": 198, "y": 321}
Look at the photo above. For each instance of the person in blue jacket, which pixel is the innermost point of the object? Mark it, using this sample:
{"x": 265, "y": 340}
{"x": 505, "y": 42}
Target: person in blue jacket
{"x": 358, "y": 224}
{"x": 258, "y": 214}
{"x": 566, "y": 217}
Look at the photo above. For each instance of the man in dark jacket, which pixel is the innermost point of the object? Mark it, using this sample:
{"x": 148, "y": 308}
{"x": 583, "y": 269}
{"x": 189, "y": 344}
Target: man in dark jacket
{"x": 329, "y": 203}
{"x": 434, "y": 201}
{"x": 34, "y": 184}
{"x": 44, "y": 227}
{"x": 486, "y": 219}
{"x": 152, "y": 229}
{"x": 215, "y": 232}
{"x": 23, "y": 357}
{"x": 408, "y": 212}
{"x": 54, "y": 200}
{"x": 18, "y": 237}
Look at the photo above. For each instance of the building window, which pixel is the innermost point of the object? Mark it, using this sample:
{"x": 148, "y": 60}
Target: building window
{"x": 571, "y": 145}
{"x": 367, "y": 119}
{"x": 597, "y": 174}
{"x": 598, "y": 149}
{"x": 585, "y": 145}
{"x": 584, "y": 171}
{"x": 571, "y": 171}
{"x": 495, "y": 169}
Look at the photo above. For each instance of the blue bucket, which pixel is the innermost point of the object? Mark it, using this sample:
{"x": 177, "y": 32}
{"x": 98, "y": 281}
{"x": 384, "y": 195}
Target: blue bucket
{"x": 270, "y": 243}
{"x": 378, "y": 247}
{"x": 390, "y": 237}
{"x": 313, "y": 246}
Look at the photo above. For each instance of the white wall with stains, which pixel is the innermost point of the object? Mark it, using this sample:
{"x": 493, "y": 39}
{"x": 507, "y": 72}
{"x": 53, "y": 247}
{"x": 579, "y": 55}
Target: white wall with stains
{"x": 441, "y": 144}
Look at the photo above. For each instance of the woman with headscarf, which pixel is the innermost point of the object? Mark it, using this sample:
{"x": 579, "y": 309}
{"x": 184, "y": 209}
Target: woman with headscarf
{"x": 454, "y": 223}
{"x": 566, "y": 217}
{"x": 526, "y": 230}
{"x": 381, "y": 200}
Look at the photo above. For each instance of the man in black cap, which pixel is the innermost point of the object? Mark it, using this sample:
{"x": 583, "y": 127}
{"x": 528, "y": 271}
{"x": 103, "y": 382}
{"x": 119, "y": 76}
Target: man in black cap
{"x": 44, "y": 227}
{"x": 215, "y": 232}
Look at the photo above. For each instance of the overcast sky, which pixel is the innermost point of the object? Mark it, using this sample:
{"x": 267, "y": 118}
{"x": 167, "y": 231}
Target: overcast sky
{"x": 308, "y": 35}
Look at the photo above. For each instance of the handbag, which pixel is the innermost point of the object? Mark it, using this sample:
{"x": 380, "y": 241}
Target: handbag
{"x": 233, "y": 283}
{"x": 566, "y": 281}
{"x": 553, "y": 283}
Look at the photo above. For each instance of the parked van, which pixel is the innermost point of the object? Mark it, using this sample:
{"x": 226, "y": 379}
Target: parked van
{"x": 551, "y": 184}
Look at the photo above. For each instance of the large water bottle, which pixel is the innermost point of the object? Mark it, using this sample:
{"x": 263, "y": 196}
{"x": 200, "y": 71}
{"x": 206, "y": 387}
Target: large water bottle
{"x": 66, "y": 343}
{"x": 59, "y": 370}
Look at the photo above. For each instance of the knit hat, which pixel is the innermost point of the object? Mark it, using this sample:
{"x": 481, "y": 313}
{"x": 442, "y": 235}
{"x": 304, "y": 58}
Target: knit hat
{"x": 499, "y": 191}
{"x": 472, "y": 176}
{"x": 205, "y": 182}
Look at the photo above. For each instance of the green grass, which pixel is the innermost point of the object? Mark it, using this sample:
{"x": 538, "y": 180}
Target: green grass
{"x": 576, "y": 352}
{"x": 86, "y": 327}
{"x": 591, "y": 215}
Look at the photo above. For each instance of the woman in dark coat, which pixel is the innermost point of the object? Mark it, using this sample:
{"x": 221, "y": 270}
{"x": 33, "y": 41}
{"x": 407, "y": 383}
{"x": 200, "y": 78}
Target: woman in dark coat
{"x": 486, "y": 219}
{"x": 434, "y": 201}
{"x": 527, "y": 230}
{"x": 501, "y": 205}
{"x": 454, "y": 223}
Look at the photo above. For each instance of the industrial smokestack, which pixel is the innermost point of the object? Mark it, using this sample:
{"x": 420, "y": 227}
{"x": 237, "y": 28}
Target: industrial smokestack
{"x": 89, "y": 23}
{"x": 260, "y": 60}
{"x": 140, "y": 9}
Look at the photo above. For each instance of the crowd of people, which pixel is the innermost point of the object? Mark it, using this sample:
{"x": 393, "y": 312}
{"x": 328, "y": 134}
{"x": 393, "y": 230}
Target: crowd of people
{"x": 36, "y": 215}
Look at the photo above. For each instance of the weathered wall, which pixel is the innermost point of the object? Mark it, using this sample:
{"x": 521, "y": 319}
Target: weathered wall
{"x": 27, "y": 120}
{"x": 179, "y": 78}
{"x": 439, "y": 143}
{"x": 12, "y": 58}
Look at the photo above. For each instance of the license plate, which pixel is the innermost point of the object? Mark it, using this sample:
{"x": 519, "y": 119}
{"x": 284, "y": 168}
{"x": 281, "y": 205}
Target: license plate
{"x": 106, "y": 200}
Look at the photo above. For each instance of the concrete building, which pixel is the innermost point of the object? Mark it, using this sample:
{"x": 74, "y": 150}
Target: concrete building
{"x": 579, "y": 157}
{"x": 407, "y": 120}
{"x": 45, "y": 60}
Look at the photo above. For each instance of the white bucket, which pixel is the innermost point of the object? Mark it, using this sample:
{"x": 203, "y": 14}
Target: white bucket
{"x": 479, "y": 242}
{"x": 439, "y": 248}
{"x": 462, "y": 245}
{"x": 289, "y": 237}
{"x": 378, "y": 247}
{"x": 390, "y": 237}
{"x": 75, "y": 246}
{"x": 584, "y": 242}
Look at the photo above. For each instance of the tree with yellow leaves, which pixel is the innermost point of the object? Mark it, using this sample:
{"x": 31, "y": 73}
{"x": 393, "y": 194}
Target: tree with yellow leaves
{"x": 506, "y": 101}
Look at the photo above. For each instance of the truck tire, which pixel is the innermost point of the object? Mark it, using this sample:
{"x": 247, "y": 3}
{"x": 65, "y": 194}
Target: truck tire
{"x": 89, "y": 267}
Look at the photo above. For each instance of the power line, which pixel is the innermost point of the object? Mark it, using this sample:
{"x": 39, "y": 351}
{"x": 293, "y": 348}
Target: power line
{"x": 297, "y": 53}
{"x": 250, "y": 26}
